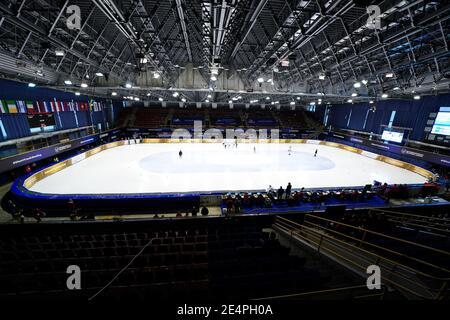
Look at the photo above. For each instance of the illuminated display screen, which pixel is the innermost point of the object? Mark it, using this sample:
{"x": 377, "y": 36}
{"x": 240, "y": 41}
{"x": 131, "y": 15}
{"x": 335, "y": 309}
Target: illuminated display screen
{"x": 442, "y": 124}
{"x": 393, "y": 136}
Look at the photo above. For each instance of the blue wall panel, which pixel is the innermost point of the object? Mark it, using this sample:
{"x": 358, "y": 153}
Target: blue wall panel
{"x": 83, "y": 118}
{"x": 20, "y": 91}
{"x": 67, "y": 120}
{"x": 359, "y": 112}
{"x": 409, "y": 114}
{"x": 16, "y": 125}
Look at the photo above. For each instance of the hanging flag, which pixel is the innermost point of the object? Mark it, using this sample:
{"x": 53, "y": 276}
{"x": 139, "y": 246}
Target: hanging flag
{"x": 30, "y": 107}
{"x": 41, "y": 107}
{"x": 60, "y": 106}
{"x": 66, "y": 106}
{"x": 12, "y": 106}
{"x": 36, "y": 107}
{"x": 21, "y": 106}
{"x": 53, "y": 106}
{"x": 4, "y": 107}
{"x": 47, "y": 108}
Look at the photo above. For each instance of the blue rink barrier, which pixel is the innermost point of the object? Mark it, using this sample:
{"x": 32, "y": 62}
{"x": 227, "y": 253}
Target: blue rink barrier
{"x": 55, "y": 205}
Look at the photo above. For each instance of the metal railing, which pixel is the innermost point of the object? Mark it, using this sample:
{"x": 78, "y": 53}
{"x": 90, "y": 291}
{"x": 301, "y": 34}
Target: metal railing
{"x": 440, "y": 225}
{"x": 357, "y": 254}
{"x": 354, "y": 292}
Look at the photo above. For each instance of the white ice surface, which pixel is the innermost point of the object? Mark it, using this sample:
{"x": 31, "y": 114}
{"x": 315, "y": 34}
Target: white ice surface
{"x": 154, "y": 168}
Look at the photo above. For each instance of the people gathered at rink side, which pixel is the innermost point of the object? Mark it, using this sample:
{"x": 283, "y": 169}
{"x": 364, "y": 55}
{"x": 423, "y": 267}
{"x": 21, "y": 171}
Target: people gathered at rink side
{"x": 235, "y": 202}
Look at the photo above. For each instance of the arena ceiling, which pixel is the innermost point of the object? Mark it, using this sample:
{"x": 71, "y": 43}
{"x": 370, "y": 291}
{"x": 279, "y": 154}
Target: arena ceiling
{"x": 254, "y": 50}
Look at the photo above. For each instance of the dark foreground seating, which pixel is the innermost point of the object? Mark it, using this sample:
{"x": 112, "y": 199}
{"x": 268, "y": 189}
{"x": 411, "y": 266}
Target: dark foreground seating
{"x": 228, "y": 260}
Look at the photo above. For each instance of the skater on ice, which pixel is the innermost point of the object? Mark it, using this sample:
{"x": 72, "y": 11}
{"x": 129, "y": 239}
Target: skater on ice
{"x": 180, "y": 154}
{"x": 315, "y": 153}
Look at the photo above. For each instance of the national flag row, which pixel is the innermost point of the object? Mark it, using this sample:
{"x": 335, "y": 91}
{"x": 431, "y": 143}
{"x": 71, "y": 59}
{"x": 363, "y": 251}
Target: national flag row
{"x": 13, "y": 106}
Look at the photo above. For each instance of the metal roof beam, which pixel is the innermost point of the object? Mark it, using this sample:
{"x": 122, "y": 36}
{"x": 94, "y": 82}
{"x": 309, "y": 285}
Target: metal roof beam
{"x": 180, "y": 10}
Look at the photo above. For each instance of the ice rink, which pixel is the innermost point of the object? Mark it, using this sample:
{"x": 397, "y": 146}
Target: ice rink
{"x": 154, "y": 168}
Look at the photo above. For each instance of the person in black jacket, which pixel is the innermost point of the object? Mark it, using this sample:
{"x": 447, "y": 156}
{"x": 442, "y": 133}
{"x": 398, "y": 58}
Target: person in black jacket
{"x": 204, "y": 211}
{"x": 280, "y": 193}
{"x": 288, "y": 190}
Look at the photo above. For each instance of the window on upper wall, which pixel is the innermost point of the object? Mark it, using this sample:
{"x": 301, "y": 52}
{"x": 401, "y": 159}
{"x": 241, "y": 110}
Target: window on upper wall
{"x": 391, "y": 120}
{"x": 3, "y": 131}
{"x": 327, "y": 113}
{"x": 349, "y": 118}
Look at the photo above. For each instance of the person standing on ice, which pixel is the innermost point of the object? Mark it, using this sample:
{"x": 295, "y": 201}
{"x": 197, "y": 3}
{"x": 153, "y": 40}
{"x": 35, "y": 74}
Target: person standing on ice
{"x": 315, "y": 153}
{"x": 289, "y": 150}
{"x": 180, "y": 154}
{"x": 254, "y": 149}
